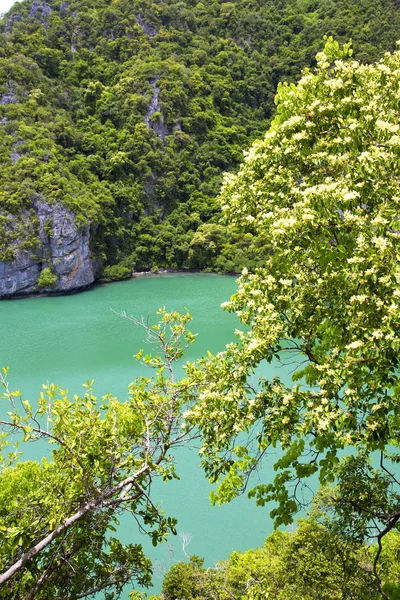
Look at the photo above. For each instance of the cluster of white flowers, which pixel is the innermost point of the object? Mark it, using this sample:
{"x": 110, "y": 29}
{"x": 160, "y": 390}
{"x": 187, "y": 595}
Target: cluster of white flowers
{"x": 361, "y": 298}
{"x": 334, "y": 84}
{"x": 380, "y": 242}
{"x": 392, "y": 127}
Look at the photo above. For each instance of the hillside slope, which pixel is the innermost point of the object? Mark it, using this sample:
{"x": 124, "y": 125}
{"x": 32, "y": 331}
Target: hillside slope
{"x": 119, "y": 117}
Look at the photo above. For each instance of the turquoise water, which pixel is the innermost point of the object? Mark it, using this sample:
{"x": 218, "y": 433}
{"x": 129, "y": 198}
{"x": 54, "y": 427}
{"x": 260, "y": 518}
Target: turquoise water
{"x": 70, "y": 339}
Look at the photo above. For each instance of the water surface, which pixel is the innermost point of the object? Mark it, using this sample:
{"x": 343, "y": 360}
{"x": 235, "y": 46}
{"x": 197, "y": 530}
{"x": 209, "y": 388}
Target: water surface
{"x": 68, "y": 340}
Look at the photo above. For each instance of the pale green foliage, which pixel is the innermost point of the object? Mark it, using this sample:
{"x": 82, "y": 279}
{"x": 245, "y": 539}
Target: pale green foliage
{"x": 47, "y": 279}
{"x": 323, "y": 189}
{"x": 56, "y": 516}
{"x": 308, "y": 563}
{"x": 390, "y": 563}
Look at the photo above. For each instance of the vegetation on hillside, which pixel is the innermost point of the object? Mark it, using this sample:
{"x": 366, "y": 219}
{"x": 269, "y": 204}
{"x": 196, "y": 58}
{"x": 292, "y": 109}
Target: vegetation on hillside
{"x": 128, "y": 112}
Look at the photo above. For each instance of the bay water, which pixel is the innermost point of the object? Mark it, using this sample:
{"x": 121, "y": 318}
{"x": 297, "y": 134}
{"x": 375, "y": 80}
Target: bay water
{"x": 68, "y": 340}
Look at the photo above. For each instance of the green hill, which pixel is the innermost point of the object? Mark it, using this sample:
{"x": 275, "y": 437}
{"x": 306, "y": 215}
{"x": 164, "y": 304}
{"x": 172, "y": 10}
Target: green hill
{"x": 119, "y": 117}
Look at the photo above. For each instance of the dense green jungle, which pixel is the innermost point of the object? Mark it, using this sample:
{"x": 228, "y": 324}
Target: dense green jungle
{"x": 128, "y": 112}
{"x": 118, "y": 120}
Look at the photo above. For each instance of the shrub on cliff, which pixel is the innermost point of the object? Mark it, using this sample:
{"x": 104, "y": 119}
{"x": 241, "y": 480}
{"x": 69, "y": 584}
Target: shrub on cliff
{"x": 47, "y": 279}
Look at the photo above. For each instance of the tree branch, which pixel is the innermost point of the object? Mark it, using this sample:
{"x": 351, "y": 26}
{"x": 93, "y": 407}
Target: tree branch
{"x": 77, "y": 516}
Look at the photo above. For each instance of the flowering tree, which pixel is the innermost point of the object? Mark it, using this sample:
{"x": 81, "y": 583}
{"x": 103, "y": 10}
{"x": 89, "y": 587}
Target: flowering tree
{"x": 323, "y": 189}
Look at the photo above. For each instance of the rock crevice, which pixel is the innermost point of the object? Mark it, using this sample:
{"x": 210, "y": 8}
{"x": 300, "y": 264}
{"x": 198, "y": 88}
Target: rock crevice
{"x": 154, "y": 110}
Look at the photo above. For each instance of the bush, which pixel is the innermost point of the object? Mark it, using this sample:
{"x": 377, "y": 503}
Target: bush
{"x": 47, "y": 279}
{"x": 115, "y": 273}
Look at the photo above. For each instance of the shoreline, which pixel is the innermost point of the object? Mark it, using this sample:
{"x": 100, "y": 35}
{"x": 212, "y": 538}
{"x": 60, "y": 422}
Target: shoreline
{"x": 96, "y": 283}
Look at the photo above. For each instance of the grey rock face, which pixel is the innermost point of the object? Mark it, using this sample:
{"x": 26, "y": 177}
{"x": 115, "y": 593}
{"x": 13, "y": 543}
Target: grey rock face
{"x": 64, "y": 248}
{"x": 148, "y": 29}
{"x": 154, "y": 107}
{"x": 15, "y": 155}
{"x": 42, "y": 7}
{"x": 18, "y": 277}
{"x": 7, "y": 99}
{"x": 9, "y": 23}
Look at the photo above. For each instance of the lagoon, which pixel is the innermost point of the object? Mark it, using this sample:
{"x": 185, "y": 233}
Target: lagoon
{"x": 68, "y": 340}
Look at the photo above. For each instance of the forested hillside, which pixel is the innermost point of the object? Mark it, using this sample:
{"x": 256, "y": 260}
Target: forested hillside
{"x": 119, "y": 117}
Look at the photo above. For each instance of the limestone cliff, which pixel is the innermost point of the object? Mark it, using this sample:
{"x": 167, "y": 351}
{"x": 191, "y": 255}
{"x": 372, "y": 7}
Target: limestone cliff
{"x": 63, "y": 248}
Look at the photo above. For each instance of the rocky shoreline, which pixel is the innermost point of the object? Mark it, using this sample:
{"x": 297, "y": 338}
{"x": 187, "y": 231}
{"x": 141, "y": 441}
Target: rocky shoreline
{"x": 35, "y": 293}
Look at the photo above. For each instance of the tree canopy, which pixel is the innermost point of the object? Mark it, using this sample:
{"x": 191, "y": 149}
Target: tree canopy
{"x": 311, "y": 562}
{"x": 322, "y": 188}
{"x": 58, "y": 516}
